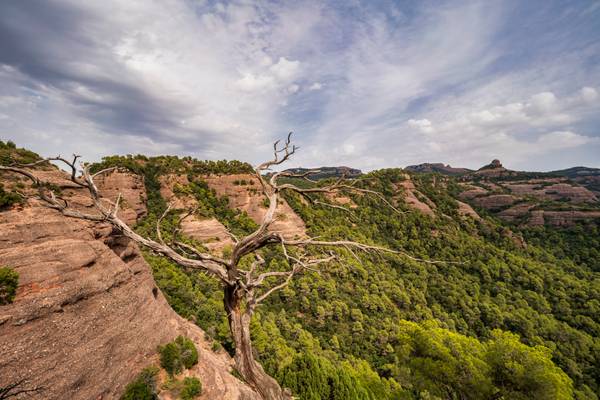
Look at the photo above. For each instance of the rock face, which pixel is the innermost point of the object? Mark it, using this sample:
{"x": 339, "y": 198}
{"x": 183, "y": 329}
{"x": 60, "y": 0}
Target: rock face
{"x": 495, "y": 169}
{"x": 414, "y": 198}
{"x": 167, "y": 187}
{"x": 132, "y": 190}
{"x": 495, "y": 201}
{"x": 328, "y": 172}
{"x": 88, "y": 316}
{"x": 466, "y": 210}
{"x": 530, "y": 198}
{"x": 553, "y": 190}
{"x": 437, "y": 167}
{"x": 210, "y": 232}
{"x": 243, "y": 191}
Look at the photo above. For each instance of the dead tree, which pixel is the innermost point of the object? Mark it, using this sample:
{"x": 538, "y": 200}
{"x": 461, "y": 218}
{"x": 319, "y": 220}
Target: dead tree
{"x": 19, "y": 389}
{"x": 243, "y": 289}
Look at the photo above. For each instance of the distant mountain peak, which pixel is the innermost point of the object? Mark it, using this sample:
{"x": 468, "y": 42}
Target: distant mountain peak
{"x": 444, "y": 169}
{"x": 328, "y": 172}
{"x": 495, "y": 164}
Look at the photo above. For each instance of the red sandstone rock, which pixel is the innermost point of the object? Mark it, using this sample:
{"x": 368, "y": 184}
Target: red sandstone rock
{"x": 466, "y": 210}
{"x": 249, "y": 198}
{"x": 495, "y": 201}
{"x": 410, "y": 193}
{"x": 88, "y": 316}
{"x": 133, "y": 192}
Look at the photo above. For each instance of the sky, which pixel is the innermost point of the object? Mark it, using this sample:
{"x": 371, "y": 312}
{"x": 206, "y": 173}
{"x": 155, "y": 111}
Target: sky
{"x": 367, "y": 84}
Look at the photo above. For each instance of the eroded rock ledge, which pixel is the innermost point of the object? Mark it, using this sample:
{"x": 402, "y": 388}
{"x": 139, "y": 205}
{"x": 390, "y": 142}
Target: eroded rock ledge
{"x": 88, "y": 316}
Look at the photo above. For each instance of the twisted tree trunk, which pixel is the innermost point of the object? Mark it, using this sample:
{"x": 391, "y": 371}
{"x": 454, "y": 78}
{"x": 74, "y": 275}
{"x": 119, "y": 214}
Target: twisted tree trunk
{"x": 252, "y": 372}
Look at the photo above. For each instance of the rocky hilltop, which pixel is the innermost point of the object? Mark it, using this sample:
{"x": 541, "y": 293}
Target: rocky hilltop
{"x": 88, "y": 316}
{"x": 328, "y": 172}
{"x": 532, "y": 199}
{"x": 444, "y": 169}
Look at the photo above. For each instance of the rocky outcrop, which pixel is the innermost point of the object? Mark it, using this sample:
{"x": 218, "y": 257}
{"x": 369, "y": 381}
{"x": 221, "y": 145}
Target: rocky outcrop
{"x": 551, "y": 200}
{"x": 495, "y": 169}
{"x": 561, "y": 218}
{"x": 210, "y": 232}
{"x": 466, "y": 210}
{"x": 413, "y": 198}
{"x": 132, "y": 190}
{"x": 168, "y": 186}
{"x": 243, "y": 192}
{"x": 437, "y": 167}
{"x": 88, "y": 316}
{"x": 516, "y": 213}
{"x": 495, "y": 201}
{"x": 553, "y": 190}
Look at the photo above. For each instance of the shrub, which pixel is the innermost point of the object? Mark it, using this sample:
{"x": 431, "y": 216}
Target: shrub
{"x": 9, "y": 154}
{"x": 177, "y": 355}
{"x": 143, "y": 387}
{"x": 189, "y": 353}
{"x": 9, "y": 280}
{"x": 216, "y": 346}
{"x": 192, "y": 387}
{"x": 170, "y": 358}
{"x": 7, "y": 199}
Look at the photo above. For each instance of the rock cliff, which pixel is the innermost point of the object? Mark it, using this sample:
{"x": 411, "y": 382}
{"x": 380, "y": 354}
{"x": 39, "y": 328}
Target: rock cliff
{"x": 88, "y": 316}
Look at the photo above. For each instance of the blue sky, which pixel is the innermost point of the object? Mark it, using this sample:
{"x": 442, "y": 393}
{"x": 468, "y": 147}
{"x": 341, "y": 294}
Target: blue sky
{"x": 365, "y": 84}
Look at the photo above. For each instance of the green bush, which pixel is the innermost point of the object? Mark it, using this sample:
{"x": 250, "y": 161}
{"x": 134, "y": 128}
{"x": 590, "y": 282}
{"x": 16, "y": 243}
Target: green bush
{"x": 9, "y": 154}
{"x": 144, "y": 386}
{"x": 189, "y": 353}
{"x": 9, "y": 280}
{"x": 170, "y": 358}
{"x": 177, "y": 355}
{"x": 7, "y": 199}
{"x": 192, "y": 387}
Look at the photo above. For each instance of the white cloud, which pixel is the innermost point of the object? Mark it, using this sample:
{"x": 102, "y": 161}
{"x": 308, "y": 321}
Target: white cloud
{"x": 589, "y": 94}
{"x": 285, "y": 70}
{"x": 423, "y": 125}
{"x": 387, "y": 88}
{"x": 543, "y": 103}
{"x": 293, "y": 88}
{"x": 562, "y": 140}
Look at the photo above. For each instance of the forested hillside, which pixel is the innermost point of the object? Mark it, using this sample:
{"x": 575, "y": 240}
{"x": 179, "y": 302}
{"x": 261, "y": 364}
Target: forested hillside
{"x": 502, "y": 318}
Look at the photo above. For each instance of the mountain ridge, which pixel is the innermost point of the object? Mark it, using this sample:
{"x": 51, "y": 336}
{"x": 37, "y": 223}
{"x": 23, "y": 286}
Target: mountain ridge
{"x": 383, "y": 322}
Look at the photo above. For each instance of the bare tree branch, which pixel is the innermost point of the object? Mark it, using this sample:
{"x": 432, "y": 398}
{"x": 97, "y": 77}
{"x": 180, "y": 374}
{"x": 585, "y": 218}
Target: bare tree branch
{"x": 239, "y": 286}
{"x": 18, "y": 388}
{"x": 159, "y": 222}
{"x": 108, "y": 215}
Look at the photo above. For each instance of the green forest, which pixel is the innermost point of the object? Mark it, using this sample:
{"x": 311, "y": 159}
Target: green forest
{"x": 499, "y": 320}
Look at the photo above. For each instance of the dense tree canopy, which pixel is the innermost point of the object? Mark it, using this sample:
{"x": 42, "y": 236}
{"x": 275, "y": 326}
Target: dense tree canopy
{"x": 345, "y": 333}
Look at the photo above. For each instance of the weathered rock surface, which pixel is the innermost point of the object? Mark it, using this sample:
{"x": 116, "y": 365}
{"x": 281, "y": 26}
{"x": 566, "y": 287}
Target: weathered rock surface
{"x": 132, "y": 190}
{"x": 494, "y": 169}
{"x": 88, "y": 316}
{"x": 560, "y": 218}
{"x": 533, "y": 202}
{"x": 248, "y": 197}
{"x": 466, "y": 210}
{"x": 555, "y": 191}
{"x": 516, "y": 212}
{"x": 243, "y": 192}
{"x": 210, "y": 232}
{"x": 414, "y": 198}
{"x": 168, "y": 184}
{"x": 441, "y": 168}
{"x": 472, "y": 192}
{"x": 494, "y": 201}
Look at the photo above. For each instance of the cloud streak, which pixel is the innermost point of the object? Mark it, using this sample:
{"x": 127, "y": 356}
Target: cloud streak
{"x": 364, "y": 84}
